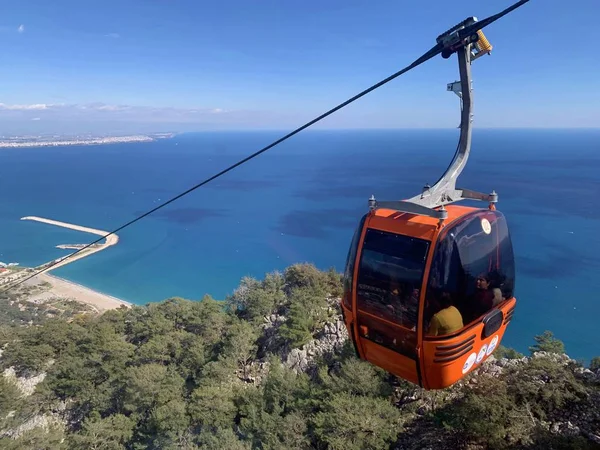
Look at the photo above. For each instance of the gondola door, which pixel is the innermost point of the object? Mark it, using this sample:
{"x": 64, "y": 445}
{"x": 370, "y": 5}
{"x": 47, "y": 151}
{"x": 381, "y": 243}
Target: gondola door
{"x": 473, "y": 267}
{"x": 388, "y": 285}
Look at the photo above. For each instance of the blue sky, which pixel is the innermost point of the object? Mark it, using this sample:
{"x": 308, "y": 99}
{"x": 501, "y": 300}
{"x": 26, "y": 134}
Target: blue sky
{"x": 275, "y": 64}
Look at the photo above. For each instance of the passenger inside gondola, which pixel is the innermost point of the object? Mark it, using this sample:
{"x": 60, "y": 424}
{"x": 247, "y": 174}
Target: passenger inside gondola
{"x": 402, "y": 304}
{"x": 496, "y": 283}
{"x": 447, "y": 320}
{"x": 486, "y": 296}
{"x": 394, "y": 299}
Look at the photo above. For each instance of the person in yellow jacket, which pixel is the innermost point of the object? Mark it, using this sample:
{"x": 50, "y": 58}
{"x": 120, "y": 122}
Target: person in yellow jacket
{"x": 447, "y": 320}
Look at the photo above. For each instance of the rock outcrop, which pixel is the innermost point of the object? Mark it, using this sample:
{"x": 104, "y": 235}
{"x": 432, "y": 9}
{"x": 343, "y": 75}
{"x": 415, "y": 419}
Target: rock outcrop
{"x": 327, "y": 341}
{"x": 419, "y": 424}
{"x": 578, "y": 421}
{"x": 25, "y": 384}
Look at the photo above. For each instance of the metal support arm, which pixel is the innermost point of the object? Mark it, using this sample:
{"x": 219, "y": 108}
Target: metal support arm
{"x": 444, "y": 190}
{"x": 431, "y": 201}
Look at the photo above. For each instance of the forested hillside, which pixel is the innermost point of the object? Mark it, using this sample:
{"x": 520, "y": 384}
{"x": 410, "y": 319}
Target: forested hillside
{"x": 269, "y": 368}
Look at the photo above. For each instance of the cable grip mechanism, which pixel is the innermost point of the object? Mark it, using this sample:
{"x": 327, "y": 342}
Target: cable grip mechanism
{"x": 455, "y": 38}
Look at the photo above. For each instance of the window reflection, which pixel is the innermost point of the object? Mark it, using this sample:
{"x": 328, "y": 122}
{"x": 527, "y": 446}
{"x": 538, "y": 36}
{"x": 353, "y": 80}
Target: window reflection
{"x": 390, "y": 275}
{"x": 349, "y": 270}
{"x": 473, "y": 267}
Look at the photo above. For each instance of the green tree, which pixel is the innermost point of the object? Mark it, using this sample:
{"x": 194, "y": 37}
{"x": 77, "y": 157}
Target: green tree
{"x": 111, "y": 433}
{"x": 37, "y": 438}
{"x": 240, "y": 344}
{"x": 285, "y": 390}
{"x": 209, "y": 321}
{"x": 276, "y": 414}
{"x": 487, "y": 414}
{"x": 146, "y": 322}
{"x": 356, "y": 377}
{"x": 545, "y": 386}
{"x": 10, "y": 400}
{"x": 546, "y": 342}
{"x": 273, "y": 430}
{"x": 595, "y": 363}
{"x": 150, "y": 386}
{"x": 508, "y": 353}
{"x": 212, "y": 405}
{"x": 168, "y": 423}
{"x": 162, "y": 349}
{"x": 92, "y": 369}
{"x": 357, "y": 422}
{"x": 222, "y": 438}
{"x": 546, "y": 440}
{"x": 7, "y": 334}
{"x": 308, "y": 312}
{"x": 297, "y": 330}
{"x": 334, "y": 283}
{"x": 26, "y": 358}
{"x": 192, "y": 356}
{"x": 306, "y": 277}
{"x": 254, "y": 299}
{"x": 182, "y": 374}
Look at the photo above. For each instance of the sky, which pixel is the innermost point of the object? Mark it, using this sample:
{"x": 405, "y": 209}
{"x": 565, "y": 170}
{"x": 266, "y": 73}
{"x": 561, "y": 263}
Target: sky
{"x": 185, "y": 65}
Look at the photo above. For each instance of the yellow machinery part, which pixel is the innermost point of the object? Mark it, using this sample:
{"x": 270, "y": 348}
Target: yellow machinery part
{"x": 483, "y": 45}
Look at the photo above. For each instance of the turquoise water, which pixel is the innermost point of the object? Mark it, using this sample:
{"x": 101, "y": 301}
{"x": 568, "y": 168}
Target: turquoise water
{"x": 301, "y": 202}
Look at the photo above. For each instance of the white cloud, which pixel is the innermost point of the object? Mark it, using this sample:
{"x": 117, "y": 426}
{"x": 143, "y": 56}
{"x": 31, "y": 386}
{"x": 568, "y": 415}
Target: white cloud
{"x": 37, "y": 106}
{"x": 113, "y": 35}
{"x": 103, "y": 111}
{"x": 12, "y": 29}
{"x": 99, "y": 117}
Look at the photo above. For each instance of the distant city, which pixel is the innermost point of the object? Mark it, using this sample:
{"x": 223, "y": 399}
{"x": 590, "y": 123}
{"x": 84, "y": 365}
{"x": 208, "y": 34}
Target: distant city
{"x": 57, "y": 140}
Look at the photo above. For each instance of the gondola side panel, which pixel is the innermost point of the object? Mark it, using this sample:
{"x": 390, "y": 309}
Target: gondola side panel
{"x": 448, "y": 359}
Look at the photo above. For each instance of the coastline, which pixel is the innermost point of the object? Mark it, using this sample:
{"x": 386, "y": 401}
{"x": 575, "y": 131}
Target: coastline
{"x": 82, "y": 141}
{"x": 58, "y": 141}
{"x": 59, "y": 287}
{"x": 83, "y": 294}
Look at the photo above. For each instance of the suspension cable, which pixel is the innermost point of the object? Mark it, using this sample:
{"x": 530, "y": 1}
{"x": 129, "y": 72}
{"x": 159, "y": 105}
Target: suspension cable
{"x": 430, "y": 54}
{"x": 434, "y": 51}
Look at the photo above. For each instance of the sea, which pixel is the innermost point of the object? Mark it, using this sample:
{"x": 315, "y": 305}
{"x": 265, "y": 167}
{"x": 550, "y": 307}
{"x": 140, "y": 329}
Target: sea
{"x": 300, "y": 202}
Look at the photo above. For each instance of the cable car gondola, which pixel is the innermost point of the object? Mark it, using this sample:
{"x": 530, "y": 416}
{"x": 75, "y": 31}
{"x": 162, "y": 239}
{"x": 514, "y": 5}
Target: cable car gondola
{"x": 428, "y": 288}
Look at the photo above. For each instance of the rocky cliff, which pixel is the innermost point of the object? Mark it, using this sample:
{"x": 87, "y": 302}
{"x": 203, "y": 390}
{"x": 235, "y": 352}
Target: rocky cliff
{"x": 581, "y": 420}
{"x": 182, "y": 374}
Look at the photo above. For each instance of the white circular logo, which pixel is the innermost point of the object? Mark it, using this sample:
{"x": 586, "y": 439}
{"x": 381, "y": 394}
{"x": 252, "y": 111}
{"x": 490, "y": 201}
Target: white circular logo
{"x": 486, "y": 226}
{"x": 469, "y": 362}
{"x": 492, "y": 345}
{"x": 481, "y": 353}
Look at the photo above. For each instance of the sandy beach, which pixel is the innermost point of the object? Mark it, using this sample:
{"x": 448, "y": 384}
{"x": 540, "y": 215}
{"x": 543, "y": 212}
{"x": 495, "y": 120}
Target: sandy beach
{"x": 67, "y": 289}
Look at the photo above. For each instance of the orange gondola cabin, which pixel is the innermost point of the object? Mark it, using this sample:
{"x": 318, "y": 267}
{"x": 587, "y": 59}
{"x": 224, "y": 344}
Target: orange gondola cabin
{"x": 429, "y": 288}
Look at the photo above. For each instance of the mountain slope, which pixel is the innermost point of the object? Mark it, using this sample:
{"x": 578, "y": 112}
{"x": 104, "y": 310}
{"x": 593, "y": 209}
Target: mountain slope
{"x": 270, "y": 367}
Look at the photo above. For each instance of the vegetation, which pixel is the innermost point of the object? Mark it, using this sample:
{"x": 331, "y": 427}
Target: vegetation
{"x": 547, "y": 343}
{"x": 506, "y": 411}
{"x": 16, "y": 309}
{"x": 508, "y": 353}
{"x": 187, "y": 375}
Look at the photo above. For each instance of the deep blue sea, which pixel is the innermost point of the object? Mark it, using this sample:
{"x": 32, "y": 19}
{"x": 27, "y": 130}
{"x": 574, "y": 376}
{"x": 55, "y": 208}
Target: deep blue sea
{"x": 300, "y": 202}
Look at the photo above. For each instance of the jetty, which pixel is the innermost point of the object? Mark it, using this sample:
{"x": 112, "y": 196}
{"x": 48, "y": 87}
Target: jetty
{"x": 111, "y": 240}
{"x": 60, "y": 288}
{"x": 76, "y": 246}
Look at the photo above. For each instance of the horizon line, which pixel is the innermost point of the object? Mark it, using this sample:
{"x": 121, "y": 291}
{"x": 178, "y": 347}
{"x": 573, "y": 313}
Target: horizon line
{"x": 175, "y": 132}
{"x": 383, "y": 129}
